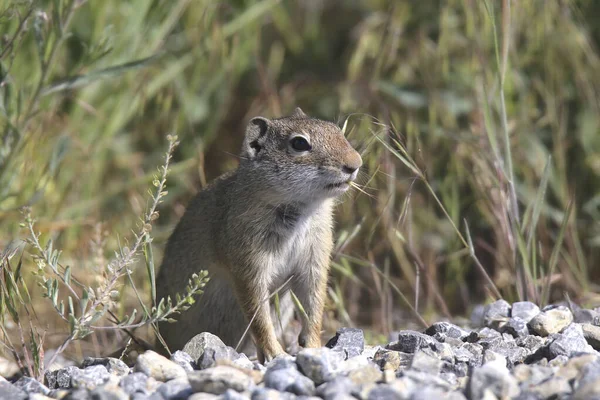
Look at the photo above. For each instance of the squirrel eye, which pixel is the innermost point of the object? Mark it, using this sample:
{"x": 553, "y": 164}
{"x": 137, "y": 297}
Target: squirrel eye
{"x": 300, "y": 144}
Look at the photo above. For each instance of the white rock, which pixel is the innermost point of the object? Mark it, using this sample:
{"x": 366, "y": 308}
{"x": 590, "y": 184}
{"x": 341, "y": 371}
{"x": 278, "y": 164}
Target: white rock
{"x": 158, "y": 367}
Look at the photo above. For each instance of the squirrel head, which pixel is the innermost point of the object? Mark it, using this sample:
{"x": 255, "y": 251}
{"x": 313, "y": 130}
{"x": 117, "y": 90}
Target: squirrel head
{"x": 299, "y": 158}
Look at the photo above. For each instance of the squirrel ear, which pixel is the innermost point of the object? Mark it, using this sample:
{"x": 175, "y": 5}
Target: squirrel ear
{"x": 255, "y": 133}
{"x": 298, "y": 113}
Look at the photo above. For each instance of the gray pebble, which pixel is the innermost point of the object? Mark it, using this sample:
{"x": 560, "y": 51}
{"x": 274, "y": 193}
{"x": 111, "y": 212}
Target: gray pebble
{"x": 60, "y": 378}
{"x": 591, "y": 333}
{"x": 206, "y": 349}
{"x": 31, "y": 385}
{"x": 589, "y": 384}
{"x": 496, "y": 313}
{"x": 551, "y": 321}
{"x": 531, "y": 343}
{"x": 138, "y": 382}
{"x": 340, "y": 385}
{"x": 411, "y": 341}
{"x": 394, "y": 360}
{"x": 231, "y": 394}
{"x": 552, "y": 388}
{"x": 90, "y": 377}
{"x": 570, "y": 342}
{"x": 112, "y": 365}
{"x": 384, "y": 392}
{"x": 78, "y": 394}
{"x": 442, "y": 330}
{"x": 509, "y": 349}
{"x": 271, "y": 394}
{"x": 426, "y": 361}
{"x": 349, "y": 341}
{"x": 175, "y": 389}
{"x": 424, "y": 379}
{"x": 516, "y": 327}
{"x": 9, "y": 392}
{"x": 525, "y": 310}
{"x": 493, "y": 377}
{"x": 289, "y": 380}
{"x": 196, "y": 345}
{"x": 470, "y": 353}
{"x": 184, "y": 360}
{"x": 158, "y": 367}
{"x": 428, "y": 393}
{"x": 210, "y": 396}
{"x": 319, "y": 364}
{"x": 218, "y": 379}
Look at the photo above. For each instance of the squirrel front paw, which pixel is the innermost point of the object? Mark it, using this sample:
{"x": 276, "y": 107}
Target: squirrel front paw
{"x": 306, "y": 340}
{"x": 268, "y": 354}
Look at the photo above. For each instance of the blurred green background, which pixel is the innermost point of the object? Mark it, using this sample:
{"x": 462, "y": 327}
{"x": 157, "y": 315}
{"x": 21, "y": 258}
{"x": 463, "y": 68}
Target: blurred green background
{"x": 90, "y": 89}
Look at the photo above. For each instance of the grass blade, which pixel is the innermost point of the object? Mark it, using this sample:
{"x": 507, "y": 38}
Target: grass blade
{"x": 150, "y": 268}
{"x": 556, "y": 252}
{"x": 538, "y": 204}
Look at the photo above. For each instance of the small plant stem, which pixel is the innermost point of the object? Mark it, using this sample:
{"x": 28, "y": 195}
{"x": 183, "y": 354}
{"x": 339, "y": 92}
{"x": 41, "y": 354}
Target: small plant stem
{"x": 507, "y": 164}
{"x": 276, "y": 291}
{"x": 514, "y": 204}
{"x": 489, "y": 280}
{"x": 45, "y": 64}
{"x": 21, "y": 26}
{"x": 36, "y": 244}
{"x": 61, "y": 348}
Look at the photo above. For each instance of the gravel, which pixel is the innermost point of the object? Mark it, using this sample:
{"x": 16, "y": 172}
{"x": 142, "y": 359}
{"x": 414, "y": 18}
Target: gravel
{"x": 349, "y": 341}
{"x": 524, "y": 310}
{"x": 158, "y": 367}
{"x": 517, "y": 352}
{"x": 551, "y": 321}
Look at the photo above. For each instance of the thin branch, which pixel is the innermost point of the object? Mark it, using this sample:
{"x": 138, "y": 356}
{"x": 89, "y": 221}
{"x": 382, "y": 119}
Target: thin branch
{"x": 20, "y": 28}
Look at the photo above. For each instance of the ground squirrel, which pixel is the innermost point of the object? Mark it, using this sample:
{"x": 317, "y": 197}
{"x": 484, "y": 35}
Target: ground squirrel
{"x": 254, "y": 228}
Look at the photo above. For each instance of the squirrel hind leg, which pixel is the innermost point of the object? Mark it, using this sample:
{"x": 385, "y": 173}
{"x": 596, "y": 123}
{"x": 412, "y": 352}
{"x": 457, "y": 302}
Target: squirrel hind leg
{"x": 287, "y": 328}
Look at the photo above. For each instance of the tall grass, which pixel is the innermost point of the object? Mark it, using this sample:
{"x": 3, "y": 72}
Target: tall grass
{"x": 478, "y": 123}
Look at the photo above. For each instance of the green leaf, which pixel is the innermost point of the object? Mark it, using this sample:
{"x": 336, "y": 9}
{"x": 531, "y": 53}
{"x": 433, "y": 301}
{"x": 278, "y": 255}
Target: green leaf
{"x": 85, "y": 297}
{"x": 132, "y": 318}
{"x": 249, "y": 15}
{"x": 160, "y": 308}
{"x": 97, "y": 315}
{"x": 72, "y": 324}
{"x": 71, "y": 307}
{"x": 54, "y": 292}
{"x": 48, "y": 285}
{"x": 48, "y": 250}
{"x": 83, "y": 80}
{"x": 150, "y": 268}
{"x": 67, "y": 275}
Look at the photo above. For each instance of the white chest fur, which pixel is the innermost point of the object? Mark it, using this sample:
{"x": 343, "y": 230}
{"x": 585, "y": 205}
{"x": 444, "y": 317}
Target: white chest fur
{"x": 294, "y": 257}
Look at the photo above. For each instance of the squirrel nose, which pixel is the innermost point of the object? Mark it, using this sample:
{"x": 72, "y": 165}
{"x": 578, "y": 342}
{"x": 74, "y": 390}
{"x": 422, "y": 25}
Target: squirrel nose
{"x": 353, "y": 162}
{"x": 349, "y": 169}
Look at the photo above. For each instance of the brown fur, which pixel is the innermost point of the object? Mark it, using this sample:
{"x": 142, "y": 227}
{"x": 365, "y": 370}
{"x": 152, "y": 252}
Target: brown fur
{"x": 257, "y": 226}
